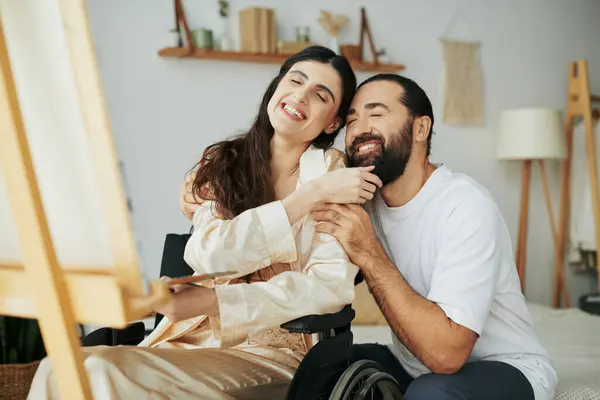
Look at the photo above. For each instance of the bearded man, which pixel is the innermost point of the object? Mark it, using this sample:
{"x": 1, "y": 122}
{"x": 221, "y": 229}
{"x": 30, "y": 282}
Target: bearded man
{"x": 437, "y": 257}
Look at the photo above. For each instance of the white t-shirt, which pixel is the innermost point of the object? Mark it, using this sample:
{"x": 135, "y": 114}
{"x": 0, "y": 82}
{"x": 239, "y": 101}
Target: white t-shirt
{"x": 452, "y": 246}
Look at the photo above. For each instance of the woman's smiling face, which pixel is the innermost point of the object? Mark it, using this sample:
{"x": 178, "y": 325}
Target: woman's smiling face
{"x": 306, "y": 102}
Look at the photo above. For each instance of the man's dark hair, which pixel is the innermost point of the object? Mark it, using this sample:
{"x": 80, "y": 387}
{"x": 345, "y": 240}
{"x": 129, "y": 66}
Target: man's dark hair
{"x": 414, "y": 99}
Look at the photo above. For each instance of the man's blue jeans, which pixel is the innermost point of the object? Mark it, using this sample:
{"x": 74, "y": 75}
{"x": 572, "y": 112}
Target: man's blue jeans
{"x": 489, "y": 380}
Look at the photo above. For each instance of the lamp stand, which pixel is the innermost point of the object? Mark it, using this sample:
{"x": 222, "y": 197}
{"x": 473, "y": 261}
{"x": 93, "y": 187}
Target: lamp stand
{"x": 523, "y": 222}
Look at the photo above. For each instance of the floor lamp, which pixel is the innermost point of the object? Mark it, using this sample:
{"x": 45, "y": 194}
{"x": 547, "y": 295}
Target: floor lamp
{"x": 527, "y": 135}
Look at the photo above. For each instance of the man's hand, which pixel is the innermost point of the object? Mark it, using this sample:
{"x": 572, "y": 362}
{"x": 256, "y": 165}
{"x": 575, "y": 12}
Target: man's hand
{"x": 352, "y": 227}
{"x": 188, "y": 203}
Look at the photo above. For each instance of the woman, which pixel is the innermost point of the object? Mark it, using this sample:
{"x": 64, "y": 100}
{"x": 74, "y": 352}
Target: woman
{"x": 221, "y": 340}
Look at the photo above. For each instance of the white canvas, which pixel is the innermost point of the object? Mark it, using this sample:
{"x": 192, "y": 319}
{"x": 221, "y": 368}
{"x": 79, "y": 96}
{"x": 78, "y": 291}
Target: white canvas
{"x": 58, "y": 140}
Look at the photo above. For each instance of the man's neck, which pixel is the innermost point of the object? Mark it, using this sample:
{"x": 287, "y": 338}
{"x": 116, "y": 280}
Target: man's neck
{"x": 285, "y": 158}
{"x": 408, "y": 185}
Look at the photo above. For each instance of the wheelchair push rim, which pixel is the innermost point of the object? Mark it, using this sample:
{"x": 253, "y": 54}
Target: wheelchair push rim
{"x": 363, "y": 380}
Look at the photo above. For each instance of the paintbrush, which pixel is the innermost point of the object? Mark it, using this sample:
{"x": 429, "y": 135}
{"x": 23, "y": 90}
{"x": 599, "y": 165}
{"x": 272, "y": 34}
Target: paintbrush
{"x": 197, "y": 278}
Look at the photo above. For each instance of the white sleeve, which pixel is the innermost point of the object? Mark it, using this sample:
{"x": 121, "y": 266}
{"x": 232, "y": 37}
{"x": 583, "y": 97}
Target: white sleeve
{"x": 255, "y": 239}
{"x": 325, "y": 285}
{"x": 465, "y": 275}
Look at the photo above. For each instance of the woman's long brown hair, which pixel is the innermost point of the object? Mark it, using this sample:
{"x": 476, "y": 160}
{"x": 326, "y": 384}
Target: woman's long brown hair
{"x": 235, "y": 173}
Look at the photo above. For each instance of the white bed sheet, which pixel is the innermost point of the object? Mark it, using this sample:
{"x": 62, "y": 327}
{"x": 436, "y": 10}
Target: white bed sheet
{"x": 571, "y": 336}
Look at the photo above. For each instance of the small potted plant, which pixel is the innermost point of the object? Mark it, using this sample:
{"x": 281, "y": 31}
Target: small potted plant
{"x": 21, "y": 350}
{"x": 225, "y": 38}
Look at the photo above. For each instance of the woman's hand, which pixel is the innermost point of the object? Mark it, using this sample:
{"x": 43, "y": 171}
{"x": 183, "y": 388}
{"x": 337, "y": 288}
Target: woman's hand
{"x": 347, "y": 185}
{"x": 342, "y": 186}
{"x": 188, "y": 301}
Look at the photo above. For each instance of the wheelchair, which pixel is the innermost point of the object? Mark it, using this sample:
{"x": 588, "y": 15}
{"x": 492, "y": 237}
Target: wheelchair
{"x": 325, "y": 373}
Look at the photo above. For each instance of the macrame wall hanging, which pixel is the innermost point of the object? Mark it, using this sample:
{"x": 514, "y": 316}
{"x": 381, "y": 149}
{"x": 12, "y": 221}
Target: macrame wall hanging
{"x": 463, "y": 81}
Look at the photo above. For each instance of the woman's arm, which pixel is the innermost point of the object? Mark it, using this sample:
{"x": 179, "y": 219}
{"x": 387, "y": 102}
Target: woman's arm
{"x": 255, "y": 239}
{"x": 263, "y": 236}
{"x": 325, "y": 285}
{"x": 342, "y": 186}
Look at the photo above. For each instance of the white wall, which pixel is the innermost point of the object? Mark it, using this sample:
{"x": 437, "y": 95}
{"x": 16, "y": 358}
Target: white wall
{"x": 164, "y": 112}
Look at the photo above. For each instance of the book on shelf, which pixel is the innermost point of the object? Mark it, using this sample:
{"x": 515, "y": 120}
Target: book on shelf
{"x": 258, "y": 30}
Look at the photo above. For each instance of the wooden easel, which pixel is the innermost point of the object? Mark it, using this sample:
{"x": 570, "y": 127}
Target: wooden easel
{"x": 37, "y": 286}
{"x": 579, "y": 104}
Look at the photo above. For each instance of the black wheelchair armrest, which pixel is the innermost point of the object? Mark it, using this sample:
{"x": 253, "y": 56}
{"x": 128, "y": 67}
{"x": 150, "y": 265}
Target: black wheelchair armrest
{"x": 132, "y": 335}
{"x": 321, "y": 323}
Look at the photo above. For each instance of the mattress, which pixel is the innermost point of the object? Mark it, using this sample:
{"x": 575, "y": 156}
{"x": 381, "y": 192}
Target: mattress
{"x": 571, "y": 336}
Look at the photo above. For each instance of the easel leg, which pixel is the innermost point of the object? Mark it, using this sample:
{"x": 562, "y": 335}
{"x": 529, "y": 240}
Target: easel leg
{"x": 523, "y": 219}
{"x": 54, "y": 310}
{"x": 593, "y": 169}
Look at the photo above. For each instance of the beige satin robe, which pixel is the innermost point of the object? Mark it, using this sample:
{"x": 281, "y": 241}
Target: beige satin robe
{"x": 242, "y": 353}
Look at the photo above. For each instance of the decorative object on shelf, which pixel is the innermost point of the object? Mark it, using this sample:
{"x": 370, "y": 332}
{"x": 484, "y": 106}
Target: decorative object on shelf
{"x": 302, "y": 34}
{"x": 302, "y": 42}
{"x": 383, "y": 57}
{"x": 463, "y": 86}
{"x": 366, "y": 30}
{"x": 180, "y": 19}
{"x": 225, "y": 36}
{"x": 223, "y": 8}
{"x": 333, "y": 25}
{"x": 175, "y": 38}
{"x": 351, "y": 51}
{"x": 258, "y": 30}
{"x": 203, "y": 38}
{"x": 289, "y": 48}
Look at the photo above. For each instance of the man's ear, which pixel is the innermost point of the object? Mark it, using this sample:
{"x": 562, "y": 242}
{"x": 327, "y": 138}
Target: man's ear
{"x": 422, "y": 128}
{"x": 334, "y": 126}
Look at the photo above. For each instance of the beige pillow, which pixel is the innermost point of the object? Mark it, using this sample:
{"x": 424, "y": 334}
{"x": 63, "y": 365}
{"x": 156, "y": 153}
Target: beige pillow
{"x": 367, "y": 310}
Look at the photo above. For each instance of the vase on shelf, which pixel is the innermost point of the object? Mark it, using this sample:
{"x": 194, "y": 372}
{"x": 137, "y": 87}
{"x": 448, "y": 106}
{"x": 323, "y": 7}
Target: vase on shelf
{"x": 175, "y": 38}
{"x": 225, "y": 38}
{"x": 334, "y": 44}
{"x": 383, "y": 57}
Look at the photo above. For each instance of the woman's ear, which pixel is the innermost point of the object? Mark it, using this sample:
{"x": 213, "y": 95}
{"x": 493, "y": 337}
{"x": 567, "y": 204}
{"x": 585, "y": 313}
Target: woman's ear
{"x": 334, "y": 126}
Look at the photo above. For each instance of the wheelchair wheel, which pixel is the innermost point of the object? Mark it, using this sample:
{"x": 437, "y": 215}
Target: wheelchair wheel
{"x": 365, "y": 379}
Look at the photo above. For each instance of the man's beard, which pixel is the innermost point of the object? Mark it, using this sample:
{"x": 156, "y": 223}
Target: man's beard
{"x": 393, "y": 156}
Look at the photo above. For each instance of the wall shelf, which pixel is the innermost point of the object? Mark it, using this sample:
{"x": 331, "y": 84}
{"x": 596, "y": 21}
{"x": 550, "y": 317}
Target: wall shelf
{"x": 262, "y": 58}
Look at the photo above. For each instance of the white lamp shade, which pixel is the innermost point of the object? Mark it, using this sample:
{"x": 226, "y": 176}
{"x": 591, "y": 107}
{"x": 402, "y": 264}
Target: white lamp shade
{"x": 531, "y": 134}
